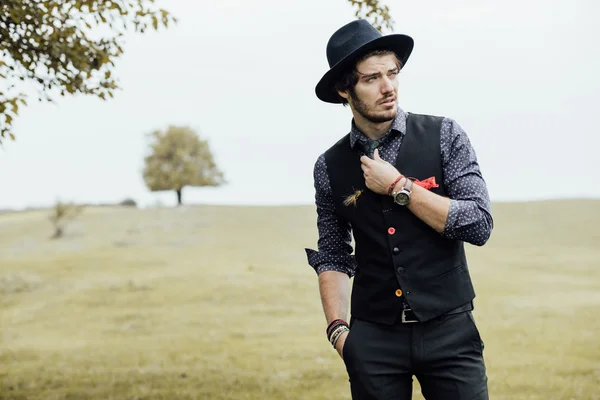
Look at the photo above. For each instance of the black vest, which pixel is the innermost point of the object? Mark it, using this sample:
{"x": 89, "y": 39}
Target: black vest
{"x": 430, "y": 270}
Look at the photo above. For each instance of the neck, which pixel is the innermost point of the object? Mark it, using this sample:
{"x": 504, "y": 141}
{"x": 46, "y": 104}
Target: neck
{"x": 373, "y": 130}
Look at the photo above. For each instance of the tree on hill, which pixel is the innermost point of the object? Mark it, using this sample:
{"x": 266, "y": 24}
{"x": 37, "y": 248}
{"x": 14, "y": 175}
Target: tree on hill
{"x": 180, "y": 158}
{"x": 65, "y": 47}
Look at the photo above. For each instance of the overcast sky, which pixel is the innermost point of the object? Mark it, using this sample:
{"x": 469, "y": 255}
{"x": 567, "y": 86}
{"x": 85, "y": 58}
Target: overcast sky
{"x": 520, "y": 77}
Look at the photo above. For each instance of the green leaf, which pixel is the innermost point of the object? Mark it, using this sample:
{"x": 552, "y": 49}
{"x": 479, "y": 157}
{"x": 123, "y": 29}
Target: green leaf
{"x": 64, "y": 56}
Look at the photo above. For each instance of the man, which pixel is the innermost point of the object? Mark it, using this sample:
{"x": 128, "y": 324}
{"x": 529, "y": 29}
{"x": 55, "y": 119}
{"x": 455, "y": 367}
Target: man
{"x": 410, "y": 190}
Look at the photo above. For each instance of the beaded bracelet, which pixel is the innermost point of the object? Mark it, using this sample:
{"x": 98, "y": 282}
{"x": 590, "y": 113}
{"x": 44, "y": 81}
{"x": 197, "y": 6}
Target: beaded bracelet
{"x": 336, "y": 332}
{"x": 334, "y": 326}
{"x": 337, "y": 337}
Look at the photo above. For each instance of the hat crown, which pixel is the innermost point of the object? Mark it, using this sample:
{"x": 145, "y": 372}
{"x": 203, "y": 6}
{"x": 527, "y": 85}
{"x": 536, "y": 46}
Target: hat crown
{"x": 347, "y": 44}
{"x": 349, "y": 38}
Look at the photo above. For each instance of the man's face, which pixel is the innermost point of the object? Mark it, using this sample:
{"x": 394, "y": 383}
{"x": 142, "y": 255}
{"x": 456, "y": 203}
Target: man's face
{"x": 375, "y": 95}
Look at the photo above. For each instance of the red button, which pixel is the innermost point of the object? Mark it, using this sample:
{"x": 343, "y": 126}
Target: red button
{"x": 391, "y": 230}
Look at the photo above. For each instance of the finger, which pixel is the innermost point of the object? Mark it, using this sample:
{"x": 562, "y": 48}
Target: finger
{"x": 376, "y": 155}
{"x": 365, "y": 159}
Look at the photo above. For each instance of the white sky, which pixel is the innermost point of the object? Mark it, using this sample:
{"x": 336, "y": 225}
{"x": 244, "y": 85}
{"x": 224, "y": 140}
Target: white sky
{"x": 520, "y": 77}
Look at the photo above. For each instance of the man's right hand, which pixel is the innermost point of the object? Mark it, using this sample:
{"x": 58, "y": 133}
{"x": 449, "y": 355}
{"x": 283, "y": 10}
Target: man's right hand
{"x": 339, "y": 345}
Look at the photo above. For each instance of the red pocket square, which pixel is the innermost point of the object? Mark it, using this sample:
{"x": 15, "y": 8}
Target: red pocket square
{"x": 428, "y": 183}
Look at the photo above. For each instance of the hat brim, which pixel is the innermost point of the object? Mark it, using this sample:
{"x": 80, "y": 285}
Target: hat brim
{"x": 402, "y": 45}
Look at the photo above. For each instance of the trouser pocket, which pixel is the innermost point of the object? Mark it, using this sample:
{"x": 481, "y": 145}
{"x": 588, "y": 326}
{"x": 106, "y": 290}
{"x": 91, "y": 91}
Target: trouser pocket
{"x": 476, "y": 333}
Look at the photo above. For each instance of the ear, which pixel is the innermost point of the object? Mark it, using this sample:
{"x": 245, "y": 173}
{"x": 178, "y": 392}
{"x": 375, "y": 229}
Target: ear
{"x": 344, "y": 94}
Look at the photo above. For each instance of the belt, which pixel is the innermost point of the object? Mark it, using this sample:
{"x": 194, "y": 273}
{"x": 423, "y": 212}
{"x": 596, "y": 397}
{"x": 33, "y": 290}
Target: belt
{"x": 408, "y": 316}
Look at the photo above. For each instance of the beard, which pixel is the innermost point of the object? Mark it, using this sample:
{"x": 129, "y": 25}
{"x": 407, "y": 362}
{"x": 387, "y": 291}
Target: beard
{"x": 367, "y": 113}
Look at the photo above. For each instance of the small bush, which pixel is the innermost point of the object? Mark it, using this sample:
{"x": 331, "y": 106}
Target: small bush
{"x": 128, "y": 203}
{"x": 61, "y": 214}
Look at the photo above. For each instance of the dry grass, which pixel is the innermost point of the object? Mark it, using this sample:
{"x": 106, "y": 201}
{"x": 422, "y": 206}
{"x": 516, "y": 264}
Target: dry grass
{"x": 219, "y": 303}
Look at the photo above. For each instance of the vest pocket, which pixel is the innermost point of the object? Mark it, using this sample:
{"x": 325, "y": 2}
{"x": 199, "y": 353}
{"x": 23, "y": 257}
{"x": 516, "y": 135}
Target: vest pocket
{"x": 448, "y": 274}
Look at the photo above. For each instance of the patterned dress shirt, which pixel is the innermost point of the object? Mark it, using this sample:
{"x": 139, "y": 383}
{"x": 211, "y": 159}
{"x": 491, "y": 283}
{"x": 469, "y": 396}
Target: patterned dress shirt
{"x": 469, "y": 216}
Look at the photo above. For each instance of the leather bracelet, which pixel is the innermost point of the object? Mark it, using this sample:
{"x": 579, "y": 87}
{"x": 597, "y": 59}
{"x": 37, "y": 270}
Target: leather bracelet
{"x": 335, "y": 328}
{"x": 334, "y": 322}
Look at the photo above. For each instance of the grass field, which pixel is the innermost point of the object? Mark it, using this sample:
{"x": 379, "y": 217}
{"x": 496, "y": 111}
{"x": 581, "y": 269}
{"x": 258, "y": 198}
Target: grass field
{"x": 209, "y": 302}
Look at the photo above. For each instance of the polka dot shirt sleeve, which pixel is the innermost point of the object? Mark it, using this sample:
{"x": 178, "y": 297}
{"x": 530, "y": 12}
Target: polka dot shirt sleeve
{"x": 334, "y": 243}
{"x": 469, "y": 217}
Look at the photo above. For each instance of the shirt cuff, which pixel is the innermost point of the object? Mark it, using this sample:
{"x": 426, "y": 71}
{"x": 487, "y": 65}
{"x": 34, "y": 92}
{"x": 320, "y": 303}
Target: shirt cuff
{"x": 340, "y": 262}
{"x": 453, "y": 213}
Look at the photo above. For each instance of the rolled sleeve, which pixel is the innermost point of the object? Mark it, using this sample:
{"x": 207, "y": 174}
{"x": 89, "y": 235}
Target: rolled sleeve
{"x": 334, "y": 244}
{"x": 469, "y": 217}
{"x": 323, "y": 261}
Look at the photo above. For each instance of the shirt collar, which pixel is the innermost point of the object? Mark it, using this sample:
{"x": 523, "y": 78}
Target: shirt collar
{"x": 398, "y": 126}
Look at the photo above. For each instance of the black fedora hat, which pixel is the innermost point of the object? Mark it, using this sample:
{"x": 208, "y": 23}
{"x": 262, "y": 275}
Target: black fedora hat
{"x": 350, "y": 42}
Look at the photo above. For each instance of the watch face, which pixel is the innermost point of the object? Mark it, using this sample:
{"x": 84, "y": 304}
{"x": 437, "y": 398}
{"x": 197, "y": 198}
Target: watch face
{"x": 402, "y": 198}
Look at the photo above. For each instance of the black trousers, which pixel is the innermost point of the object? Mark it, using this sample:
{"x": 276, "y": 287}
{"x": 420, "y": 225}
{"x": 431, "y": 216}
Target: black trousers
{"x": 445, "y": 355}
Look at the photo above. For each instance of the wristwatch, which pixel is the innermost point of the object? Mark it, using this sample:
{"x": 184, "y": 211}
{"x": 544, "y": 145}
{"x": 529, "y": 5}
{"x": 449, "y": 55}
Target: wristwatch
{"x": 402, "y": 197}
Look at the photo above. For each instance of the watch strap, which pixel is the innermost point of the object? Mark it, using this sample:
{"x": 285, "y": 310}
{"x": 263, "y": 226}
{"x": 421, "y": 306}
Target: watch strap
{"x": 408, "y": 185}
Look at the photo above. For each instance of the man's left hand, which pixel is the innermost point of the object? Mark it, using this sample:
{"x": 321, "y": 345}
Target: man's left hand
{"x": 379, "y": 174}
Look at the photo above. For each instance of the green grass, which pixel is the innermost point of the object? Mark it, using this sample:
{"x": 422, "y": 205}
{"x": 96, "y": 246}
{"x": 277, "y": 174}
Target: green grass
{"x": 218, "y": 303}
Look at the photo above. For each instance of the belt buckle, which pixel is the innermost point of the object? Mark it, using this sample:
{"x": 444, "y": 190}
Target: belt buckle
{"x": 405, "y": 320}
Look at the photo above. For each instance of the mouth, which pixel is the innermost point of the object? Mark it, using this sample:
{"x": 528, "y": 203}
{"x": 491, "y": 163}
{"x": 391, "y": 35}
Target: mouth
{"x": 388, "y": 102}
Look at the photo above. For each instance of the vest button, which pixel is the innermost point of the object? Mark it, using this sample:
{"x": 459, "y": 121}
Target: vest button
{"x": 396, "y": 250}
{"x": 391, "y": 230}
{"x": 400, "y": 270}
{"x": 398, "y": 293}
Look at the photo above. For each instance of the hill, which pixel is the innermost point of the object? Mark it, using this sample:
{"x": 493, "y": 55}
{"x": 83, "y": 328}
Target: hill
{"x": 217, "y": 302}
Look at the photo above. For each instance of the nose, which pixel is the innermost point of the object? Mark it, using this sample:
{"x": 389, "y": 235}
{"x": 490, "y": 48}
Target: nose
{"x": 387, "y": 85}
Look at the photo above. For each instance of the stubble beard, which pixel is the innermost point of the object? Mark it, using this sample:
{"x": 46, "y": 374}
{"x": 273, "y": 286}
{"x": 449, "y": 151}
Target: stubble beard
{"x": 365, "y": 111}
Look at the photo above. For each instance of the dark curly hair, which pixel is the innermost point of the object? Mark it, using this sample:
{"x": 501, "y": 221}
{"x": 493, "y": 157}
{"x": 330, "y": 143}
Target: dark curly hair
{"x": 349, "y": 78}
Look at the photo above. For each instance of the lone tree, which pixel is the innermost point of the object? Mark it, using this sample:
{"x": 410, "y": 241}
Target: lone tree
{"x": 65, "y": 47}
{"x": 180, "y": 158}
